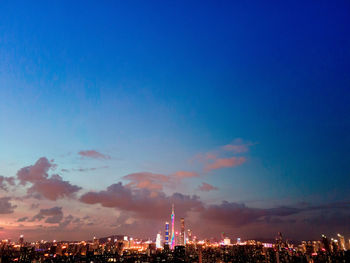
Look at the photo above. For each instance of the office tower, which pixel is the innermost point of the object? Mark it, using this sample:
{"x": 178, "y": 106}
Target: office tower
{"x": 182, "y": 232}
{"x": 172, "y": 244}
{"x": 159, "y": 241}
{"x": 166, "y": 233}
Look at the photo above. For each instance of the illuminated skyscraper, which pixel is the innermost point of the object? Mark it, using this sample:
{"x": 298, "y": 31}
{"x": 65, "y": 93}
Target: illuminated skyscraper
{"x": 182, "y": 232}
{"x": 172, "y": 244}
{"x": 166, "y": 233}
{"x": 189, "y": 235}
{"x": 158, "y": 241}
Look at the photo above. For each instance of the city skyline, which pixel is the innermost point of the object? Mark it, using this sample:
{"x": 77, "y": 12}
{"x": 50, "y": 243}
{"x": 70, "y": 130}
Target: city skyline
{"x": 236, "y": 113}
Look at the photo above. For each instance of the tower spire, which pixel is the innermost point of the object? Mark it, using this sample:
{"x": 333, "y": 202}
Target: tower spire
{"x": 172, "y": 241}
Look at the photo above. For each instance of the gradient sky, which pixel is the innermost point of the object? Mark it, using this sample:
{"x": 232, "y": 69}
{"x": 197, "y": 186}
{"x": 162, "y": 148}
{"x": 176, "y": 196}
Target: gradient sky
{"x": 236, "y": 111}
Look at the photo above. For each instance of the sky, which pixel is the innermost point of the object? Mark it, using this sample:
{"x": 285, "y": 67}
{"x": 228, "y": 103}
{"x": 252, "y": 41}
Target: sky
{"x": 235, "y": 111}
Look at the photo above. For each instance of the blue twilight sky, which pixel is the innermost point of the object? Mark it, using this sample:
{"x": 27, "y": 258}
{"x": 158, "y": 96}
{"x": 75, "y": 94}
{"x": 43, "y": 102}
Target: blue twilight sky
{"x": 153, "y": 84}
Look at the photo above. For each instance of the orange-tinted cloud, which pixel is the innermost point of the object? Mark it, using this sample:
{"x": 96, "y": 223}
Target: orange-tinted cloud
{"x": 224, "y": 163}
{"x": 184, "y": 174}
{"x": 146, "y": 180}
{"x": 156, "y": 182}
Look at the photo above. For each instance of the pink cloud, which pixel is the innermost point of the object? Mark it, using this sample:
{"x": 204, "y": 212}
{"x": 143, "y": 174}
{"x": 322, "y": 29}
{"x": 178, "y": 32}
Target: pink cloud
{"x": 185, "y": 174}
{"x": 224, "y": 163}
{"x": 156, "y": 182}
{"x": 205, "y": 187}
{"x": 237, "y": 146}
{"x": 35, "y": 172}
{"x": 93, "y": 154}
{"x": 146, "y": 180}
{"x": 52, "y": 188}
{"x": 141, "y": 202}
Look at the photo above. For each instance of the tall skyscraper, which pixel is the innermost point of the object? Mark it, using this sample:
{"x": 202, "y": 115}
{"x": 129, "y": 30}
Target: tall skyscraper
{"x": 158, "y": 241}
{"x": 182, "y": 232}
{"x": 172, "y": 244}
{"x": 166, "y": 233}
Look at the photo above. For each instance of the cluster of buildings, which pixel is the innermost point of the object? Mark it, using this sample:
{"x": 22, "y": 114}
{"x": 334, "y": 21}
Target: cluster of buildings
{"x": 176, "y": 247}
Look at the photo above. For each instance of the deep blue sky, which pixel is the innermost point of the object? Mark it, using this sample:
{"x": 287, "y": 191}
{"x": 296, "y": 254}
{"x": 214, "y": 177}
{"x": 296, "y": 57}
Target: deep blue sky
{"x": 154, "y": 83}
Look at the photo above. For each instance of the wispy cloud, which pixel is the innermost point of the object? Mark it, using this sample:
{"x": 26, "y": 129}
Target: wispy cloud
{"x": 224, "y": 163}
{"x": 205, "y": 187}
{"x": 229, "y": 155}
{"x": 156, "y": 182}
{"x": 93, "y": 154}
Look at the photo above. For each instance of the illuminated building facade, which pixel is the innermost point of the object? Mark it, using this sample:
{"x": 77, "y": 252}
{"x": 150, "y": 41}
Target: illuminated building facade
{"x": 158, "y": 241}
{"x": 189, "y": 235}
{"x": 166, "y": 233}
{"x": 182, "y": 232}
{"x": 172, "y": 243}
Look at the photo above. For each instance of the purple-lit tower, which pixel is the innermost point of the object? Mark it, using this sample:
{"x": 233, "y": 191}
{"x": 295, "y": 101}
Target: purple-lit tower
{"x": 172, "y": 244}
{"x": 166, "y": 233}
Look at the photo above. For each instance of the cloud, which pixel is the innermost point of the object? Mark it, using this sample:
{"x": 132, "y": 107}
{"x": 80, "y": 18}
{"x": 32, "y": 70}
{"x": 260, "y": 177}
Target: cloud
{"x": 222, "y": 156}
{"x": 36, "y": 172}
{"x": 54, "y": 188}
{"x": 53, "y": 215}
{"x": 141, "y": 202}
{"x": 89, "y": 169}
{"x": 237, "y": 146}
{"x": 185, "y": 174}
{"x": 235, "y": 214}
{"x": 146, "y": 180}
{"x": 205, "y": 187}
{"x": 93, "y": 154}
{"x": 22, "y": 219}
{"x": 42, "y": 185}
{"x": 5, "y": 181}
{"x": 5, "y": 206}
{"x": 224, "y": 163}
{"x": 156, "y": 182}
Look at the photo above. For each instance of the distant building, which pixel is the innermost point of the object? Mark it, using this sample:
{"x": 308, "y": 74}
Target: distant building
{"x": 21, "y": 239}
{"x": 182, "y": 232}
{"x": 227, "y": 241}
{"x": 341, "y": 242}
{"x": 189, "y": 234}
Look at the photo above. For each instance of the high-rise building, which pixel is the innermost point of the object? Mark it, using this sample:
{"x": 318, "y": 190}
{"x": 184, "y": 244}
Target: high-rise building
{"x": 189, "y": 234}
{"x": 172, "y": 243}
{"x": 342, "y": 242}
{"x": 182, "y": 232}
{"x": 166, "y": 233}
{"x": 158, "y": 241}
{"x": 21, "y": 239}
